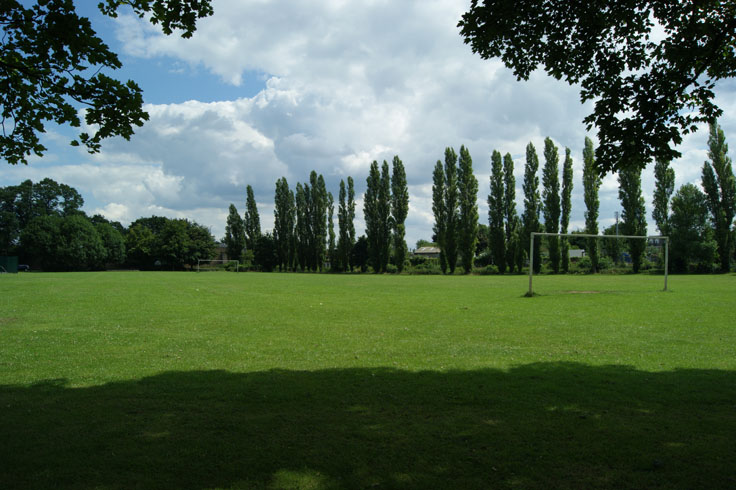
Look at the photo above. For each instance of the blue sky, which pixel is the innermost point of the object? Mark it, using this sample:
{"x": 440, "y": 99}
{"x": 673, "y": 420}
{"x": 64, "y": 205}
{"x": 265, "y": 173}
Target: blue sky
{"x": 270, "y": 89}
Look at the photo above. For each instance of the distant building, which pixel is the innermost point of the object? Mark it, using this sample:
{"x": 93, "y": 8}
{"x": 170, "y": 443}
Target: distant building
{"x": 577, "y": 253}
{"x": 428, "y": 252}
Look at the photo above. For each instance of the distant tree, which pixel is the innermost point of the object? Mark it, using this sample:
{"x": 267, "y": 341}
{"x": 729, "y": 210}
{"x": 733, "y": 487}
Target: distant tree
{"x": 140, "y": 246}
{"x": 483, "y": 244}
{"x": 440, "y": 214}
{"x": 20, "y": 204}
{"x": 611, "y": 248}
{"x": 551, "y": 197}
{"x": 252, "y": 220}
{"x": 399, "y": 211}
{"x": 634, "y": 212}
{"x": 359, "y": 255}
{"x": 532, "y": 203}
{"x": 234, "y": 234}
{"x": 266, "y": 255}
{"x": 692, "y": 243}
{"x": 38, "y": 241}
{"x": 318, "y": 215}
{"x": 202, "y": 244}
{"x": 283, "y": 224}
{"x": 452, "y": 216}
{"x": 467, "y": 229}
{"x": 664, "y": 186}
{"x": 99, "y": 219}
{"x": 303, "y": 226}
{"x": 372, "y": 216}
{"x": 384, "y": 217}
{"x": 520, "y": 253}
{"x": 566, "y": 208}
{"x": 509, "y": 205}
{"x": 331, "y": 247}
{"x": 720, "y": 187}
{"x": 343, "y": 241}
{"x": 351, "y": 212}
{"x": 496, "y": 213}
{"x": 78, "y": 245}
{"x": 173, "y": 244}
{"x": 63, "y": 243}
{"x": 591, "y": 184}
{"x": 113, "y": 243}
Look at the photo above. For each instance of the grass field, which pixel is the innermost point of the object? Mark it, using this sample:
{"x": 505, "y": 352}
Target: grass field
{"x": 222, "y": 380}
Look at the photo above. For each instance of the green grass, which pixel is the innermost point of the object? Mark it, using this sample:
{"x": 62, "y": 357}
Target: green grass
{"x": 221, "y": 380}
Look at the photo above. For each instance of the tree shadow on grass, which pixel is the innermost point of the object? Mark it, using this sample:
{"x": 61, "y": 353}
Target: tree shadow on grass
{"x": 545, "y": 425}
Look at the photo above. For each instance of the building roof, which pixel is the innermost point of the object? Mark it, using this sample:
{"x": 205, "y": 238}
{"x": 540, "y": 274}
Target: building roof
{"x": 427, "y": 250}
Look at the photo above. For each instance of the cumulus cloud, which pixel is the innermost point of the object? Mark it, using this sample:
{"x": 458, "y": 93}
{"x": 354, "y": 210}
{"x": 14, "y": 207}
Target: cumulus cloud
{"x": 345, "y": 83}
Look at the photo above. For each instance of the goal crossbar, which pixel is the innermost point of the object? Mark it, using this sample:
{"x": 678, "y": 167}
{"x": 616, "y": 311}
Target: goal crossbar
{"x": 586, "y": 235}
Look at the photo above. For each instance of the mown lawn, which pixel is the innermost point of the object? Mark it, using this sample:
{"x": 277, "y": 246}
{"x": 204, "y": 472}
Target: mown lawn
{"x": 223, "y": 380}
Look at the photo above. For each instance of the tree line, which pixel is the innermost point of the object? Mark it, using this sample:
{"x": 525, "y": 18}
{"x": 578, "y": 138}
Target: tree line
{"x": 700, "y": 224}
{"x": 42, "y": 223}
{"x": 304, "y": 236}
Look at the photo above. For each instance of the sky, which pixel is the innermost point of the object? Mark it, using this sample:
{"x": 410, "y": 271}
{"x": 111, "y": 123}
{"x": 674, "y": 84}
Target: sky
{"x": 266, "y": 89}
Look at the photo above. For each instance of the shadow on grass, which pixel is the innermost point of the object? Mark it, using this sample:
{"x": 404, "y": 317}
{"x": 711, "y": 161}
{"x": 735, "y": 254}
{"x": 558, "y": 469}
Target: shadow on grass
{"x": 542, "y": 425}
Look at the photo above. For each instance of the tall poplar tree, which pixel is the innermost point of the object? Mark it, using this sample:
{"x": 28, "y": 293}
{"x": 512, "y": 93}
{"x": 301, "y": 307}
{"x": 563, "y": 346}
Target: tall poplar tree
{"x": 318, "y": 215}
{"x": 496, "y": 213}
{"x": 399, "y": 210}
{"x": 551, "y": 196}
{"x": 302, "y": 226}
{"x": 351, "y": 220}
{"x": 283, "y": 223}
{"x": 509, "y": 206}
{"x": 467, "y": 186}
{"x": 532, "y": 203}
{"x": 451, "y": 209}
{"x": 634, "y": 213}
{"x": 343, "y": 241}
{"x": 234, "y": 234}
{"x": 566, "y": 208}
{"x": 438, "y": 209}
{"x": 591, "y": 184}
{"x": 371, "y": 216}
{"x": 664, "y": 186}
{"x": 720, "y": 187}
{"x": 331, "y": 247}
{"x": 252, "y": 220}
{"x": 384, "y": 217}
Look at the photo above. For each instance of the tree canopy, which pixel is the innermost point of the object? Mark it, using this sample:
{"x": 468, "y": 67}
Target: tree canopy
{"x": 647, "y": 92}
{"x": 52, "y": 64}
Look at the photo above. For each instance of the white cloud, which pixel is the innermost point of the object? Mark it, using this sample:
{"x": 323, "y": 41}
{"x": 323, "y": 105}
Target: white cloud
{"x": 346, "y": 83}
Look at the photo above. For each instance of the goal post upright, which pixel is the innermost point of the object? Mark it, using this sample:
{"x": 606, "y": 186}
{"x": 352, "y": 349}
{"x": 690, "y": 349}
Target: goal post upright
{"x": 666, "y": 239}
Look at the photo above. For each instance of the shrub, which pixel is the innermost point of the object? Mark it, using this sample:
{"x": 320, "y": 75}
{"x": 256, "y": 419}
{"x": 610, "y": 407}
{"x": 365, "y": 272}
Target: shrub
{"x": 487, "y": 270}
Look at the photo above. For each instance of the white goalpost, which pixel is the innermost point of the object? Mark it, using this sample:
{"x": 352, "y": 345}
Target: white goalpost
{"x": 203, "y": 264}
{"x": 583, "y": 235}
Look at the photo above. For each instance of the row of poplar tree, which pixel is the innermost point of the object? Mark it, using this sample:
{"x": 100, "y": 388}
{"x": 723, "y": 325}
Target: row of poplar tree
{"x": 304, "y": 235}
{"x": 700, "y": 224}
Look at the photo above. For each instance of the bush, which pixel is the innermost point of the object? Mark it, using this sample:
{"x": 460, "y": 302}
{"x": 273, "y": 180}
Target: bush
{"x": 392, "y": 269}
{"x": 425, "y": 267}
{"x": 584, "y": 265}
{"x": 488, "y": 270}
